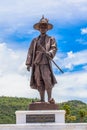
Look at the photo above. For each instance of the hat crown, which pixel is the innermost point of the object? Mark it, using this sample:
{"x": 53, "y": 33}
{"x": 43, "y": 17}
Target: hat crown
{"x": 44, "y": 20}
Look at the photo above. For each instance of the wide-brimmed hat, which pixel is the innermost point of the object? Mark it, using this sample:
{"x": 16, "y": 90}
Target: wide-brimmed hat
{"x": 43, "y": 21}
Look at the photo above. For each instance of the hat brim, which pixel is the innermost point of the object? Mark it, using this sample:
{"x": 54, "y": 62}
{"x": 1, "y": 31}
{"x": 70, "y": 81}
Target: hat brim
{"x": 37, "y": 26}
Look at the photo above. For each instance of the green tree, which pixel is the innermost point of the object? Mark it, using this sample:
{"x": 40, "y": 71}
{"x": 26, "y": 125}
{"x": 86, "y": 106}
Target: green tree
{"x": 72, "y": 118}
{"x": 67, "y": 109}
{"x": 82, "y": 114}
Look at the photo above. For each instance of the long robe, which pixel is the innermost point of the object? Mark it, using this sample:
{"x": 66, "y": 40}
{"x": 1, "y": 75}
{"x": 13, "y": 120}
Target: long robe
{"x": 51, "y": 48}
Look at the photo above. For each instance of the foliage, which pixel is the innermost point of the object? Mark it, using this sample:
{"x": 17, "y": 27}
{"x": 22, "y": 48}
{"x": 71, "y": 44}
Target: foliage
{"x": 76, "y": 111}
{"x": 82, "y": 114}
{"x": 8, "y": 106}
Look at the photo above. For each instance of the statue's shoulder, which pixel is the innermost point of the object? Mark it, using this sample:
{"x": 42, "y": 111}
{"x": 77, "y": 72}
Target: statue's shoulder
{"x": 51, "y": 37}
{"x": 36, "y": 38}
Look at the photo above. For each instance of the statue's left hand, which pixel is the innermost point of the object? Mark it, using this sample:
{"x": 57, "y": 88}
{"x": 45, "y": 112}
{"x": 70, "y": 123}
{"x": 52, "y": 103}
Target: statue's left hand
{"x": 48, "y": 53}
{"x": 28, "y": 68}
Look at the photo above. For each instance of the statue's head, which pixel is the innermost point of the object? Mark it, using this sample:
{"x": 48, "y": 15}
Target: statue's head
{"x": 43, "y": 23}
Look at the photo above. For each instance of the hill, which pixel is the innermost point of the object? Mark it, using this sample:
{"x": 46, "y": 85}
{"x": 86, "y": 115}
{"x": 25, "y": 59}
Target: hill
{"x": 8, "y": 106}
{"x": 76, "y": 111}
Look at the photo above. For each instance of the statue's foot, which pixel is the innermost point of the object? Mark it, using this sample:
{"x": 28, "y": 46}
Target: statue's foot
{"x": 38, "y": 101}
{"x": 52, "y": 101}
{"x": 42, "y": 100}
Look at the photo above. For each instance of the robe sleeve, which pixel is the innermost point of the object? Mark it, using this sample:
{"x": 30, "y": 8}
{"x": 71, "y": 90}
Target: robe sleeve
{"x": 53, "y": 47}
{"x": 30, "y": 55}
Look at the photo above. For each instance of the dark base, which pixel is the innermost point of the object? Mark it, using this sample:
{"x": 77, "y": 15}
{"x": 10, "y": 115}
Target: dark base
{"x": 43, "y": 106}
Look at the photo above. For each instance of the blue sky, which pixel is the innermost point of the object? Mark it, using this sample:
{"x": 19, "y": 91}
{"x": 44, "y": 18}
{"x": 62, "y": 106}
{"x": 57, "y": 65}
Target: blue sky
{"x": 70, "y": 31}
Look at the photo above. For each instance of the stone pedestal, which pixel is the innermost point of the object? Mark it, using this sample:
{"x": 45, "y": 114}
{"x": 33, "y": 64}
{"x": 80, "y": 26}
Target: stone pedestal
{"x": 43, "y": 106}
{"x": 40, "y": 116}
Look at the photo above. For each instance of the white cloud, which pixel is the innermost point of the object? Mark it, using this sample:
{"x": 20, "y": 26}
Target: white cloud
{"x": 74, "y": 59}
{"x": 18, "y": 16}
{"x": 18, "y": 11}
{"x": 81, "y": 41}
{"x": 16, "y": 85}
{"x": 71, "y": 86}
{"x": 85, "y": 67}
{"x": 14, "y": 79}
{"x": 71, "y": 60}
{"x": 84, "y": 31}
{"x": 11, "y": 60}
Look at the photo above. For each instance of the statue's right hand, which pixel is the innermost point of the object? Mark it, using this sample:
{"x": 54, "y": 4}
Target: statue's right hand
{"x": 28, "y": 68}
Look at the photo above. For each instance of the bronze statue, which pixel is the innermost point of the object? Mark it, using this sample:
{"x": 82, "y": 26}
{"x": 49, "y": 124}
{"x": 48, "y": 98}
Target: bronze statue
{"x": 41, "y": 51}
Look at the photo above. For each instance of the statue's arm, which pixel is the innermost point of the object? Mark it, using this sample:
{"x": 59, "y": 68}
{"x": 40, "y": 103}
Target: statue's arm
{"x": 53, "y": 47}
{"x": 29, "y": 55}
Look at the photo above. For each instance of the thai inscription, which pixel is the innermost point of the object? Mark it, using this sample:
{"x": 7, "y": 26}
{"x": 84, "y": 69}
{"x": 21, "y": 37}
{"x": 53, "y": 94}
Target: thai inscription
{"x": 40, "y": 118}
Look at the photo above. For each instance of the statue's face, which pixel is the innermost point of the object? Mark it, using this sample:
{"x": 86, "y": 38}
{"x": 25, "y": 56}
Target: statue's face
{"x": 43, "y": 28}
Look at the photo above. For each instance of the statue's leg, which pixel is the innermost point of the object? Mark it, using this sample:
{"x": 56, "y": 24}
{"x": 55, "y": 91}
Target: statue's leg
{"x": 42, "y": 95}
{"x": 46, "y": 75}
{"x": 39, "y": 82}
{"x": 49, "y": 93}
